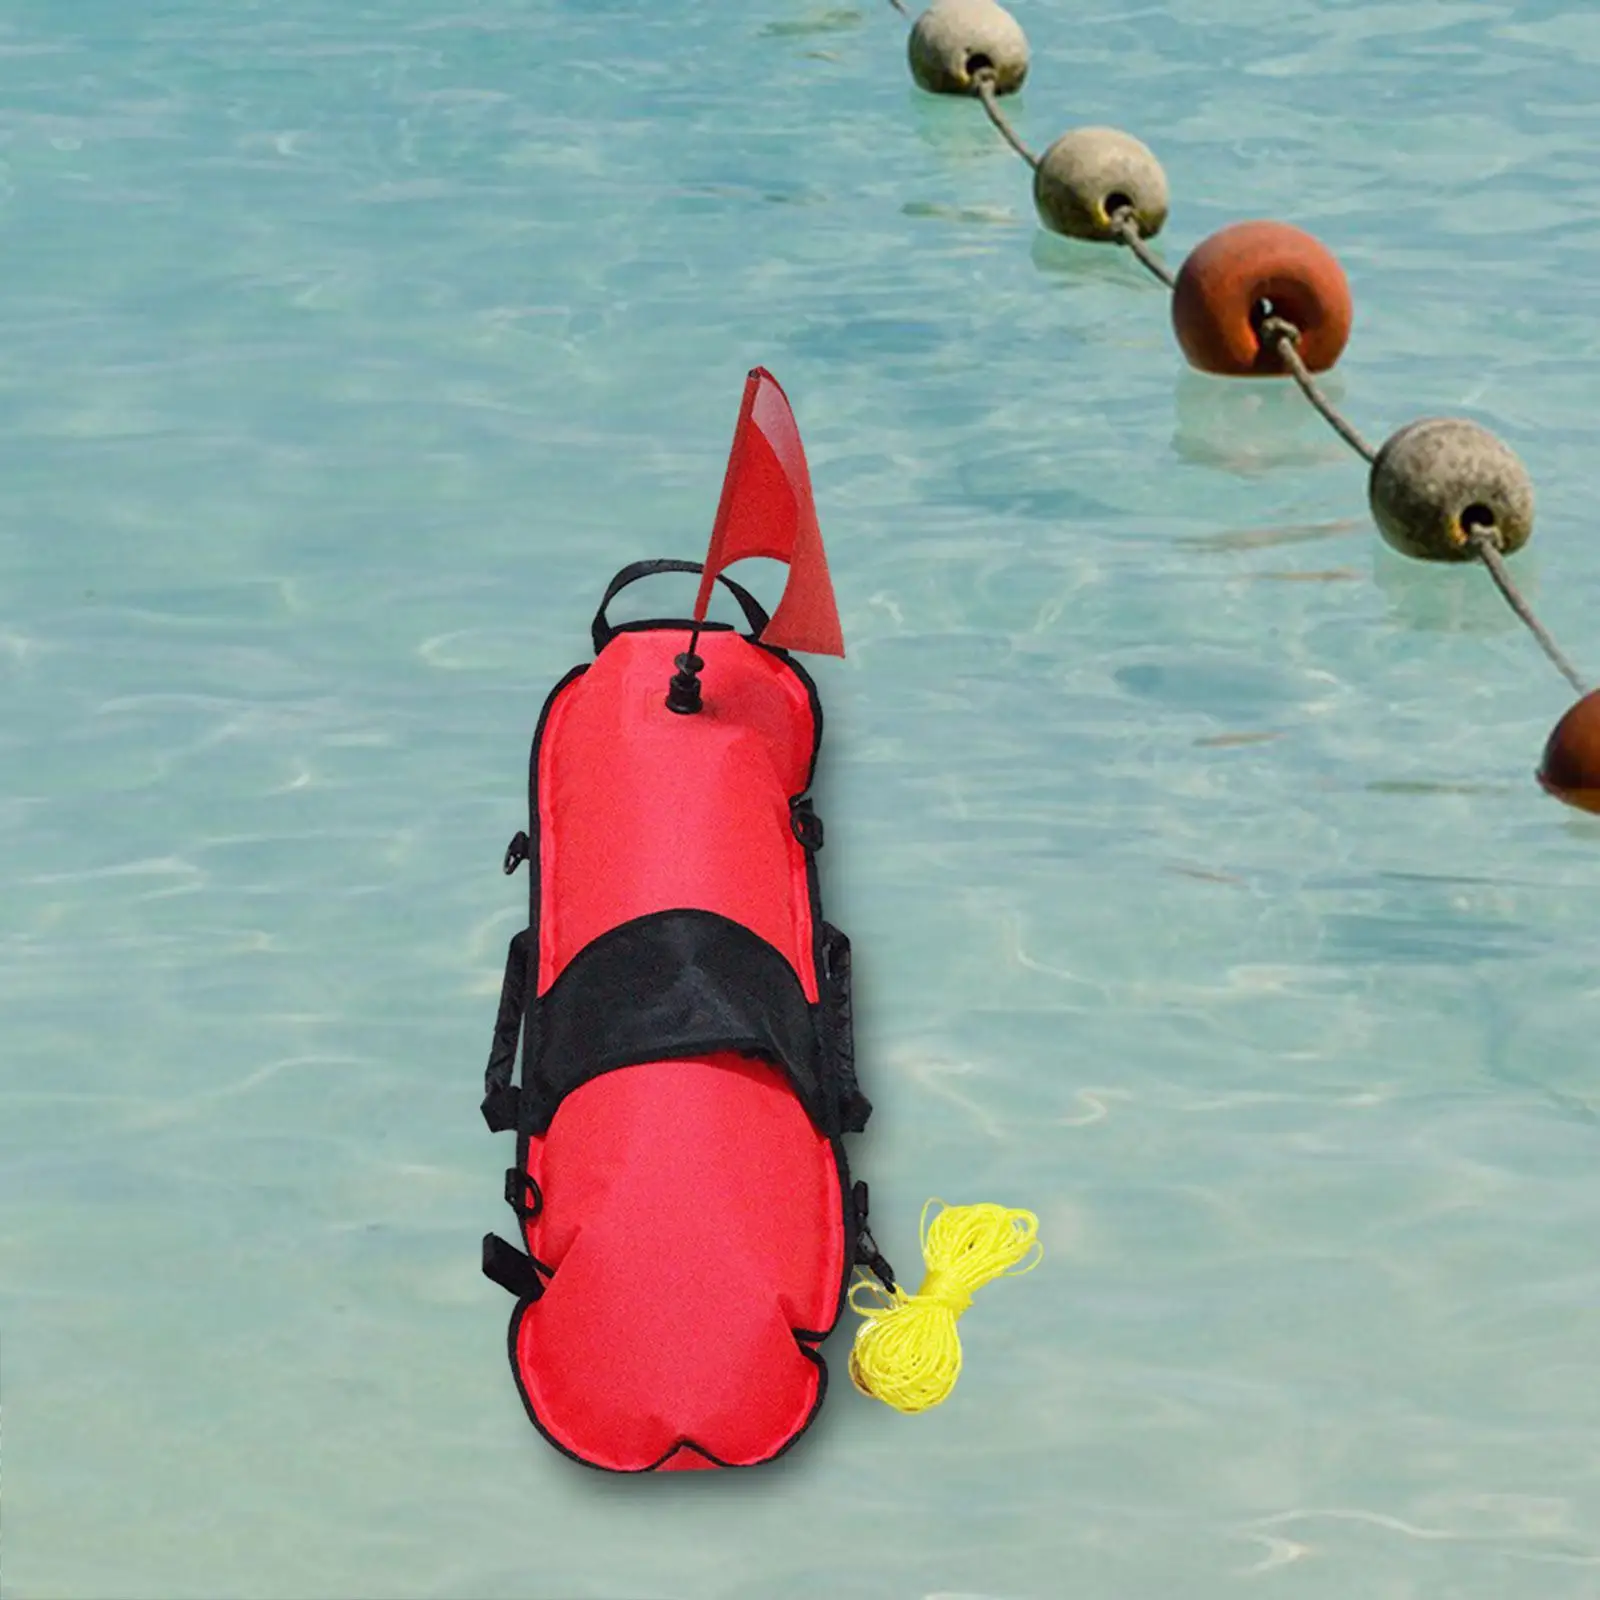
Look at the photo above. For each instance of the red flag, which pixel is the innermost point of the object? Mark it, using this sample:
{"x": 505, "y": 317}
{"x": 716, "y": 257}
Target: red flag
{"x": 767, "y": 510}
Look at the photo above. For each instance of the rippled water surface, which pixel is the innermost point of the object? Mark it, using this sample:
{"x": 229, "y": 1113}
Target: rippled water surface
{"x": 1202, "y": 897}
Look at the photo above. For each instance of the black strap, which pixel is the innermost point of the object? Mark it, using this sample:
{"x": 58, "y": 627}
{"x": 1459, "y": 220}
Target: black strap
{"x": 868, "y": 1254}
{"x": 671, "y": 986}
{"x": 501, "y": 1100}
{"x": 514, "y": 1270}
{"x": 604, "y": 632}
{"x": 837, "y": 1021}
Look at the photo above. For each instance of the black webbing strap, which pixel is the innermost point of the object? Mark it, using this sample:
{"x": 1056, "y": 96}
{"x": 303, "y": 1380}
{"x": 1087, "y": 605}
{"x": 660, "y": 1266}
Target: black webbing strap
{"x": 603, "y": 632}
{"x": 868, "y": 1254}
{"x": 501, "y": 1100}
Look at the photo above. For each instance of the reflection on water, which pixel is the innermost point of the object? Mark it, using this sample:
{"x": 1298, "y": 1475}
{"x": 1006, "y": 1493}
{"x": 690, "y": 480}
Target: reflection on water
{"x": 1077, "y": 261}
{"x": 1253, "y": 426}
{"x": 1452, "y": 597}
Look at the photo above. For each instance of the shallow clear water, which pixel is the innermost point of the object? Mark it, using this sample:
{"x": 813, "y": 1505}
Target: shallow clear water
{"x": 1202, "y": 897}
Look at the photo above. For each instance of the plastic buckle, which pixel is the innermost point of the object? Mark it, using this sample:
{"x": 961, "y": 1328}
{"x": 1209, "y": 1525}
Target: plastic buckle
{"x": 501, "y": 1107}
{"x": 515, "y": 1271}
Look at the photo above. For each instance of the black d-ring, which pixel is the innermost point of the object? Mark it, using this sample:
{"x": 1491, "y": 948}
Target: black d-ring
{"x": 805, "y": 823}
{"x": 519, "y": 1186}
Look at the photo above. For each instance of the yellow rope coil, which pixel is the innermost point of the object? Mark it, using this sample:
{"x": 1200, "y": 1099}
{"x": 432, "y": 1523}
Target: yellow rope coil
{"x": 907, "y": 1353}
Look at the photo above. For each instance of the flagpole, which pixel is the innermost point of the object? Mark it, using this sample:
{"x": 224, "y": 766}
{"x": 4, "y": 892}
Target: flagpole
{"x": 683, "y": 690}
{"x": 730, "y": 478}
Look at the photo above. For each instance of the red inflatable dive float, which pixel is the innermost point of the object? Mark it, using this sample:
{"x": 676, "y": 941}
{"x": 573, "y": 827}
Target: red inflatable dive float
{"x": 688, "y": 1222}
{"x": 682, "y": 1014}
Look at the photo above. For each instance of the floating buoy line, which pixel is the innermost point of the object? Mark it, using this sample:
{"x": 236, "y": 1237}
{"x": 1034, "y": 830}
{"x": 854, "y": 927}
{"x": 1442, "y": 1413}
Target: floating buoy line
{"x": 1263, "y": 299}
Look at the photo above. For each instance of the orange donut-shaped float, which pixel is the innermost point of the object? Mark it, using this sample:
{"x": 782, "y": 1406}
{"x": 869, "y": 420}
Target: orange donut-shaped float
{"x": 1234, "y": 279}
{"x": 1571, "y": 767}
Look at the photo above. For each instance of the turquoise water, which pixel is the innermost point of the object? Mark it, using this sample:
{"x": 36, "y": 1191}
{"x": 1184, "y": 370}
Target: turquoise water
{"x": 1202, "y": 897}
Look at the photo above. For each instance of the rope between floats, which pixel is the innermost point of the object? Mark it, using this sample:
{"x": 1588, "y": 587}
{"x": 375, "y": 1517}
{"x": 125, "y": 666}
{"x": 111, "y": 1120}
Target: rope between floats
{"x": 1284, "y": 337}
{"x": 1126, "y": 227}
{"x": 1486, "y": 546}
{"x": 984, "y": 82}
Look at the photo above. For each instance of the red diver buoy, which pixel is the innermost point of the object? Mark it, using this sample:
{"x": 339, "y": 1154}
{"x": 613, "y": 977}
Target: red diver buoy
{"x": 689, "y": 1224}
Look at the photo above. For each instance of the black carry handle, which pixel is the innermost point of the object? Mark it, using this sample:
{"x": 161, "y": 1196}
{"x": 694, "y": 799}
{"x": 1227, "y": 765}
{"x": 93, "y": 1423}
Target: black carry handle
{"x": 603, "y": 630}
